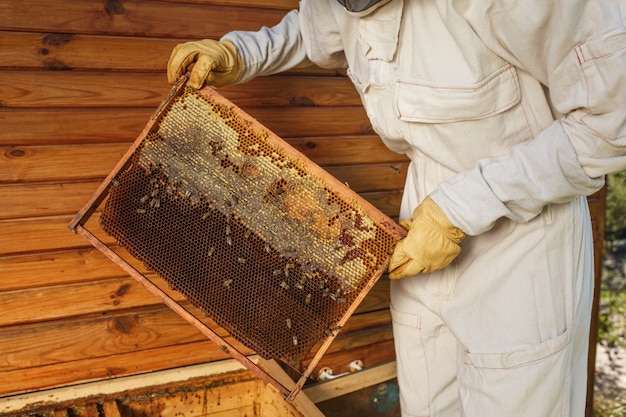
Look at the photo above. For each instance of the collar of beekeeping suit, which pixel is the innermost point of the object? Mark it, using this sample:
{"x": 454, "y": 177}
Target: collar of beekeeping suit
{"x": 362, "y": 7}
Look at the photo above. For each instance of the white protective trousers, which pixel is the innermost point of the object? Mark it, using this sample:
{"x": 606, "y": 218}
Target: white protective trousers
{"x": 503, "y": 331}
{"x": 511, "y": 113}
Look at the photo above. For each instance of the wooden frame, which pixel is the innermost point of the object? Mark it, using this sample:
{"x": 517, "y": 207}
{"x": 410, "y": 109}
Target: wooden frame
{"x": 288, "y": 390}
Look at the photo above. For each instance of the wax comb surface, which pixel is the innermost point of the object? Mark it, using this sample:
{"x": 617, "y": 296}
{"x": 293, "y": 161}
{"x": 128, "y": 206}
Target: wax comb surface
{"x": 262, "y": 240}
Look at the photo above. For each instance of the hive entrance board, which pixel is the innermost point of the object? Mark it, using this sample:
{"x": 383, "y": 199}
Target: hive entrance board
{"x": 259, "y": 238}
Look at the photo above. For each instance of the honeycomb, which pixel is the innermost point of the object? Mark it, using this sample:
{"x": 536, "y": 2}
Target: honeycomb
{"x": 244, "y": 227}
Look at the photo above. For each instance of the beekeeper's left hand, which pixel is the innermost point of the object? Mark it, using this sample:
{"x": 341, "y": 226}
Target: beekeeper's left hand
{"x": 432, "y": 242}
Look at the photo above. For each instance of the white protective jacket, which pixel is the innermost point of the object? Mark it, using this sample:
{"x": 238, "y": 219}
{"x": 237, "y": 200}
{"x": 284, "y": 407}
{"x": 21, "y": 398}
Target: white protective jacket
{"x": 465, "y": 83}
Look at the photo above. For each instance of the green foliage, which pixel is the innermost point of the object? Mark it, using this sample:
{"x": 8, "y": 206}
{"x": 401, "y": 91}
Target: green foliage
{"x": 612, "y": 320}
{"x": 615, "y": 222}
{"x": 612, "y": 404}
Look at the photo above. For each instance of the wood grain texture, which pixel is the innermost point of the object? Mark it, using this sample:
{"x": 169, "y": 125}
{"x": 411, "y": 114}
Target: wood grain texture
{"x": 78, "y": 86}
{"x": 105, "y": 125}
{"x": 140, "y": 18}
{"x": 61, "y": 89}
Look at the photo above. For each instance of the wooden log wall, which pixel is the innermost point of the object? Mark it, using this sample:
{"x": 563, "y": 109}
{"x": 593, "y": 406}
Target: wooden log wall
{"x": 78, "y": 82}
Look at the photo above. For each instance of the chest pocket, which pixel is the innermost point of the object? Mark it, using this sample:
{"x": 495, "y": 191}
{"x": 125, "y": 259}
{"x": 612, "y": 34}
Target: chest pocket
{"x": 456, "y": 125}
{"x": 430, "y": 103}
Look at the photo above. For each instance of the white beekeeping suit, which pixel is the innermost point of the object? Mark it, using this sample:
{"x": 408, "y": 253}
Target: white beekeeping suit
{"x": 511, "y": 113}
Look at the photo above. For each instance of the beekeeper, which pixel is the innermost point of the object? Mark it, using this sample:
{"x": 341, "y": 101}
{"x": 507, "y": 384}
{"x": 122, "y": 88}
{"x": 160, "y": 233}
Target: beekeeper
{"x": 511, "y": 113}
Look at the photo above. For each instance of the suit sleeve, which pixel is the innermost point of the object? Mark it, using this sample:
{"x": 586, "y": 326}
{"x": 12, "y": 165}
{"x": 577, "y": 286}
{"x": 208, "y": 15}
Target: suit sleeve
{"x": 577, "y": 49}
{"x": 302, "y": 38}
{"x": 270, "y": 50}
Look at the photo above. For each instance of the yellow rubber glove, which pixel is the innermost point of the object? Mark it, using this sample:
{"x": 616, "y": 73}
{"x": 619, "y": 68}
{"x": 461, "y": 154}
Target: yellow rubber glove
{"x": 431, "y": 243}
{"x": 215, "y": 63}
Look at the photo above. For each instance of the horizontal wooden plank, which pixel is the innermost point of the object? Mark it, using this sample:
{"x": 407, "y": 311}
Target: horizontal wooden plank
{"x": 60, "y": 268}
{"x": 57, "y": 89}
{"x": 98, "y": 336}
{"x": 74, "y": 126}
{"x": 44, "y": 234}
{"x": 70, "y": 300}
{"x": 45, "y": 199}
{"x": 62, "y": 51}
{"x": 60, "y": 373}
{"x": 311, "y": 122}
{"x": 59, "y": 163}
{"x": 370, "y": 178}
{"x": 349, "y": 150}
{"x": 136, "y": 17}
{"x": 71, "y": 126}
{"x": 288, "y": 90}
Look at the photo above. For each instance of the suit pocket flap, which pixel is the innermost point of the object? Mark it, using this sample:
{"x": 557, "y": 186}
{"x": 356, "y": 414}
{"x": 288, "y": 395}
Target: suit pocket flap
{"x": 431, "y": 103}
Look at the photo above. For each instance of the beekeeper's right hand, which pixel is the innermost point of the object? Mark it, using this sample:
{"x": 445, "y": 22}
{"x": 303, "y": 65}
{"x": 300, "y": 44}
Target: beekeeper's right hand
{"x": 215, "y": 63}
